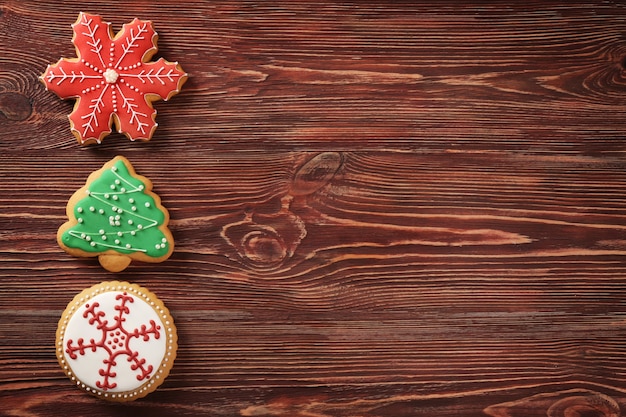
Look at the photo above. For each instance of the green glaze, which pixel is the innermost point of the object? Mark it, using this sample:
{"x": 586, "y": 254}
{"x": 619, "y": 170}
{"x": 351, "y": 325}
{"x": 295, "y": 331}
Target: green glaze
{"x": 117, "y": 214}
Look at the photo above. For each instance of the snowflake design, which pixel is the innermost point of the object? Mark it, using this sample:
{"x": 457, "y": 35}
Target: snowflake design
{"x": 115, "y": 340}
{"x": 112, "y": 79}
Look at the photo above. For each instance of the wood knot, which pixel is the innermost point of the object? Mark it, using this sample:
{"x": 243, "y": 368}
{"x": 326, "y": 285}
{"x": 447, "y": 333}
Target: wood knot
{"x": 316, "y": 173}
{"x": 570, "y": 403}
{"x": 15, "y": 106}
{"x": 265, "y": 241}
{"x": 591, "y": 404}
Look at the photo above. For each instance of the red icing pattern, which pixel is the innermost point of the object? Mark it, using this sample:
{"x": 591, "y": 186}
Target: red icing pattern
{"x": 112, "y": 79}
{"x": 115, "y": 341}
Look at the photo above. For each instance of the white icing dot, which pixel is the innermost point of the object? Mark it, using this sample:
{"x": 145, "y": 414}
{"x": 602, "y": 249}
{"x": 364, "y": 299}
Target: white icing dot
{"x": 113, "y": 186}
{"x": 130, "y": 222}
{"x": 101, "y": 211}
{"x": 115, "y": 197}
{"x": 139, "y": 226}
{"x": 147, "y": 204}
{"x": 92, "y": 209}
{"x": 104, "y": 237}
{"x": 131, "y": 200}
{"x": 120, "y": 234}
{"x": 114, "y": 169}
{"x": 106, "y": 196}
{"x": 101, "y": 231}
{"x": 158, "y": 246}
{"x": 164, "y": 240}
{"x": 111, "y": 76}
{"x": 117, "y": 241}
{"x": 133, "y": 233}
{"x": 133, "y": 208}
{"x": 79, "y": 209}
{"x": 128, "y": 246}
{"x": 93, "y": 243}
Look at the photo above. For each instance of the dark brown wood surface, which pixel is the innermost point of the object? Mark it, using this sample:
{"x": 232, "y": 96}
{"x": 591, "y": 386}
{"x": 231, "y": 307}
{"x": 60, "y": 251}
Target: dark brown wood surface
{"x": 440, "y": 189}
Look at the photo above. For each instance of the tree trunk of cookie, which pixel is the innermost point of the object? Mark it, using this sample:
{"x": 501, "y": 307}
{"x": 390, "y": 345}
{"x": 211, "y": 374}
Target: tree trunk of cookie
{"x": 114, "y": 263}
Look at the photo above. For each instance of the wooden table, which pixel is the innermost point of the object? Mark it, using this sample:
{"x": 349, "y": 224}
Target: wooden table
{"x": 437, "y": 196}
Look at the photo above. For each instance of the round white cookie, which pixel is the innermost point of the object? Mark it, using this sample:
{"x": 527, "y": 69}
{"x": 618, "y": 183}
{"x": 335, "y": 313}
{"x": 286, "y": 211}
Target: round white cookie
{"x": 117, "y": 341}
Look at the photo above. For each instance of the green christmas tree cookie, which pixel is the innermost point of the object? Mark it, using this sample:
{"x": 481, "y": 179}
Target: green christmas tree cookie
{"x": 117, "y": 218}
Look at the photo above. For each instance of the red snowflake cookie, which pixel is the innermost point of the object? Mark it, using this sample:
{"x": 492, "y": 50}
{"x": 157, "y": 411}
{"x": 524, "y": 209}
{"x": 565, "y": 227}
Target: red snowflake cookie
{"x": 116, "y": 341}
{"x": 112, "y": 79}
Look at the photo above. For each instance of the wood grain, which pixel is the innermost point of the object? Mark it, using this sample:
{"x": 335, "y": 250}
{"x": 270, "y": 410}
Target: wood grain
{"x": 380, "y": 208}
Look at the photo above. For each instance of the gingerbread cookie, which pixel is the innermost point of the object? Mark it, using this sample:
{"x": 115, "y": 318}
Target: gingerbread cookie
{"x": 112, "y": 79}
{"x": 116, "y": 341}
{"x": 117, "y": 218}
